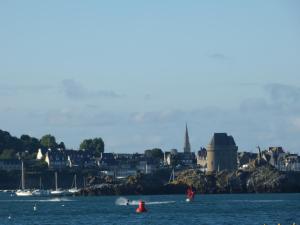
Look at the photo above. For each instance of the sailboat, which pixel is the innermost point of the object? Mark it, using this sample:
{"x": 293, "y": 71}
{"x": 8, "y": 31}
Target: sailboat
{"x": 190, "y": 194}
{"x": 74, "y": 190}
{"x": 41, "y": 192}
{"x": 57, "y": 192}
{"x": 23, "y": 191}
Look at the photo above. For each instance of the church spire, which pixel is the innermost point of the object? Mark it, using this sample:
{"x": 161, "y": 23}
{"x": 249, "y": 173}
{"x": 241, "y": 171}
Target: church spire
{"x": 187, "y": 146}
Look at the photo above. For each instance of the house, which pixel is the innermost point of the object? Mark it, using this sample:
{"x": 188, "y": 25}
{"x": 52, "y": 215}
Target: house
{"x": 56, "y": 159}
{"x": 283, "y": 161}
{"x": 245, "y": 157}
{"x": 10, "y": 164}
{"x": 107, "y": 160}
{"x": 175, "y": 158}
{"x": 202, "y": 158}
{"x": 79, "y": 158}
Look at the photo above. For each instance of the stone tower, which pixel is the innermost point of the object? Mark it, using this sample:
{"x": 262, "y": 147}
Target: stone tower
{"x": 187, "y": 145}
{"x": 221, "y": 153}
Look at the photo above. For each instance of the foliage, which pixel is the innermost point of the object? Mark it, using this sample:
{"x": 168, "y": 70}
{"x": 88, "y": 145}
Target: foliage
{"x": 8, "y": 154}
{"x": 94, "y": 146}
{"x": 9, "y": 142}
{"x": 25, "y": 146}
{"x": 30, "y": 144}
{"x": 61, "y": 145}
{"x": 48, "y": 141}
{"x": 154, "y": 153}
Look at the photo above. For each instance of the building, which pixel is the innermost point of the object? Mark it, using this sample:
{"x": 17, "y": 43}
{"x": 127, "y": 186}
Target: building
{"x": 281, "y": 160}
{"x": 244, "y": 158}
{"x": 202, "y": 158}
{"x": 56, "y": 159}
{"x": 10, "y": 164}
{"x": 185, "y": 158}
{"x": 221, "y": 153}
{"x": 187, "y": 145}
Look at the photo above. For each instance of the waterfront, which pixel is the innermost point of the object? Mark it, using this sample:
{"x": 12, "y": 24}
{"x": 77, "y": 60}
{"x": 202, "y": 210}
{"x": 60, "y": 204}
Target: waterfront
{"x": 163, "y": 209}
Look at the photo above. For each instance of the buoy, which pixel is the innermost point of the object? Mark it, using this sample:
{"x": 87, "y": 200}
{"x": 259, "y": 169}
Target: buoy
{"x": 141, "y": 208}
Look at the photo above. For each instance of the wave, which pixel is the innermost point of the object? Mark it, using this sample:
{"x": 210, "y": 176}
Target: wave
{"x": 38, "y": 200}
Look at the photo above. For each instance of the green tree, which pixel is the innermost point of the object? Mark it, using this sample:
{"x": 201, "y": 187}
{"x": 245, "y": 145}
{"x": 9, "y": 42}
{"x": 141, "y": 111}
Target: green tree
{"x": 48, "y": 141}
{"x": 30, "y": 144}
{"x": 154, "y": 153}
{"x": 8, "y": 154}
{"x": 95, "y": 146}
{"x": 9, "y": 142}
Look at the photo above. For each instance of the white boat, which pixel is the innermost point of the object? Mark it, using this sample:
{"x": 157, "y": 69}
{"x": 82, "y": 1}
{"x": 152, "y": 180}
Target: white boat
{"x": 74, "y": 190}
{"x": 23, "y": 191}
{"x": 57, "y": 191}
{"x": 41, "y": 192}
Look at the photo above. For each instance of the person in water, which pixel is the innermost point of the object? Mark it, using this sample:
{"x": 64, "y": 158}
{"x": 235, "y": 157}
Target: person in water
{"x": 127, "y": 203}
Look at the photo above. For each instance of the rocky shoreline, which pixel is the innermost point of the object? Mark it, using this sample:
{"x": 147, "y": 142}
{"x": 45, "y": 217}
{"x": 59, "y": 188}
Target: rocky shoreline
{"x": 256, "y": 179}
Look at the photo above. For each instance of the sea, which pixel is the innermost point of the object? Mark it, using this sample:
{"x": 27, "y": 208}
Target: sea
{"x": 231, "y": 209}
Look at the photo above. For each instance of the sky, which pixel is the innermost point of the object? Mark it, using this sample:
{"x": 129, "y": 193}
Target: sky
{"x": 135, "y": 72}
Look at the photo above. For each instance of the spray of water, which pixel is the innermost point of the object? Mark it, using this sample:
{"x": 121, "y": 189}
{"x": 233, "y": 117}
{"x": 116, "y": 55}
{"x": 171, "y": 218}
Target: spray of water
{"x": 124, "y": 201}
{"x": 121, "y": 201}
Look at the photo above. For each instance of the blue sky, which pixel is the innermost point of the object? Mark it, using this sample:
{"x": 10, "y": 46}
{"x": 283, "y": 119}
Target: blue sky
{"x": 133, "y": 72}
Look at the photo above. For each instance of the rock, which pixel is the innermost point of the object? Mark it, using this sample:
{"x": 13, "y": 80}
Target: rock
{"x": 259, "y": 178}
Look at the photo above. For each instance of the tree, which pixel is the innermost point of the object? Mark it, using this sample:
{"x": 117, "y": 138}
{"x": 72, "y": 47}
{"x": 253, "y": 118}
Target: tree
{"x": 30, "y": 144}
{"x": 9, "y": 142}
{"x": 8, "y": 154}
{"x": 61, "y": 145}
{"x": 48, "y": 141}
{"x": 154, "y": 153}
{"x": 94, "y": 146}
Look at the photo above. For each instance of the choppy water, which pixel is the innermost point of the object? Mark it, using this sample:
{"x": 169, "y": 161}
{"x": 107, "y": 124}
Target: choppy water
{"x": 172, "y": 209}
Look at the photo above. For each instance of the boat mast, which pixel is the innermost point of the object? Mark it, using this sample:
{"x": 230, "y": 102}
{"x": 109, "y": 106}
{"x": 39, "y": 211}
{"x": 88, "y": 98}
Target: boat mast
{"x": 56, "y": 181}
{"x": 146, "y": 168}
{"x": 40, "y": 182}
{"x": 75, "y": 183}
{"x": 23, "y": 176}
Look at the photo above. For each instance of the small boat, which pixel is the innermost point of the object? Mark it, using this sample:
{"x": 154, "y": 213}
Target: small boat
{"x": 41, "y": 192}
{"x": 57, "y": 191}
{"x": 23, "y": 192}
{"x": 74, "y": 190}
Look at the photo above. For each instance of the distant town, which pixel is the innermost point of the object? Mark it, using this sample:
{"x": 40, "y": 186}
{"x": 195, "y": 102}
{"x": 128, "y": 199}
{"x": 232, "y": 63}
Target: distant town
{"x": 220, "y": 154}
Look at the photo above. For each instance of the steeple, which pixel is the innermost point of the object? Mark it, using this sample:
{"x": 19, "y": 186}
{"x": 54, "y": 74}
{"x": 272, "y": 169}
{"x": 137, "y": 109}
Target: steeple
{"x": 187, "y": 146}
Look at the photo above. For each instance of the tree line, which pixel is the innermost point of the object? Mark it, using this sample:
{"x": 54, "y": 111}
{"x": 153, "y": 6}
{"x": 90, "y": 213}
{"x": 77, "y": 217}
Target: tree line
{"x": 11, "y": 146}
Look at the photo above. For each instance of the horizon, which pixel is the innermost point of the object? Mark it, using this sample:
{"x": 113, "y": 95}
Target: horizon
{"x": 135, "y": 73}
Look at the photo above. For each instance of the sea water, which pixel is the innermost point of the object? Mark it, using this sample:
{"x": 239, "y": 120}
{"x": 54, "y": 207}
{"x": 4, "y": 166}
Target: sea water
{"x": 233, "y": 209}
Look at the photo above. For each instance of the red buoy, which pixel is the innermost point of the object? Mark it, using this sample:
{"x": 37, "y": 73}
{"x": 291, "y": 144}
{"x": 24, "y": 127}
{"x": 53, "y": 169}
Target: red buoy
{"x": 141, "y": 208}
